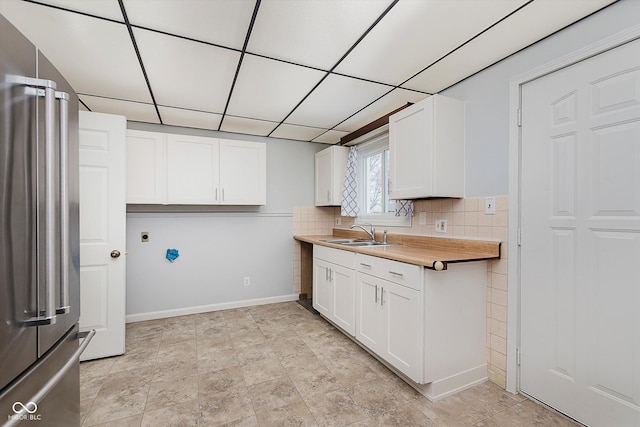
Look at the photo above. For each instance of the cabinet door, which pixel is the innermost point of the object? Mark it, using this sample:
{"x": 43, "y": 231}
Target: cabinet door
{"x": 411, "y": 151}
{"x": 243, "y": 173}
{"x": 146, "y": 162}
{"x": 322, "y": 287}
{"x": 192, "y": 170}
{"x": 323, "y": 181}
{"x": 402, "y": 344}
{"x": 344, "y": 298}
{"x": 370, "y": 321}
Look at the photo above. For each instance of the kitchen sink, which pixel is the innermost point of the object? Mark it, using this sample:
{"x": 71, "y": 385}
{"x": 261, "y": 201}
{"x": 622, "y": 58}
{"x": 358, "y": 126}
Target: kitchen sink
{"x": 359, "y": 242}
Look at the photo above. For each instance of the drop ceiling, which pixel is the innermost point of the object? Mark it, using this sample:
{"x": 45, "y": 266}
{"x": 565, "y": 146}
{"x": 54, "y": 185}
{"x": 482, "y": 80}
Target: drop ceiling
{"x": 310, "y": 70}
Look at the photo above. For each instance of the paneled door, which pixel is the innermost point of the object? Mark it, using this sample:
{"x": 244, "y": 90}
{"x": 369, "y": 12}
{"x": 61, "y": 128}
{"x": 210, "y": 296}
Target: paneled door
{"x": 580, "y": 234}
{"x": 102, "y": 232}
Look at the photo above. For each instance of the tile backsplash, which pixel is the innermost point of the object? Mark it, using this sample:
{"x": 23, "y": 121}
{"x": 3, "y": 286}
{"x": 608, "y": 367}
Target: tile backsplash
{"x": 465, "y": 218}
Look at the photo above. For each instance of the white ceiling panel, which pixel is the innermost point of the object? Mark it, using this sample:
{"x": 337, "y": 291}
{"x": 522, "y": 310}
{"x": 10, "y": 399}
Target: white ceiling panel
{"x": 104, "y": 8}
{"x": 189, "y": 118}
{"x": 336, "y": 98}
{"x": 96, "y": 56}
{"x": 315, "y": 32}
{"x": 135, "y": 111}
{"x": 381, "y": 107}
{"x": 330, "y": 137}
{"x": 268, "y": 89}
{"x": 536, "y": 21}
{"x": 248, "y": 126}
{"x": 300, "y": 133}
{"x": 186, "y": 74}
{"x": 416, "y": 33}
{"x": 222, "y": 22}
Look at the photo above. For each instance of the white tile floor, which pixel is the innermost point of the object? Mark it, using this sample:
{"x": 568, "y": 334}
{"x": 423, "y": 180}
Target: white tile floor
{"x": 273, "y": 365}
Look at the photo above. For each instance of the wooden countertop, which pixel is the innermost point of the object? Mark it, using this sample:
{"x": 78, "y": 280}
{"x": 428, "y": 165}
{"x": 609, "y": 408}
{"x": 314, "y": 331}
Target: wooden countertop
{"x": 419, "y": 250}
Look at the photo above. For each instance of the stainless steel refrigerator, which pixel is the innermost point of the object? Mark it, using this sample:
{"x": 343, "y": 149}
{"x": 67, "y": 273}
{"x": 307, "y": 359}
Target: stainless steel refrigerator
{"x": 39, "y": 242}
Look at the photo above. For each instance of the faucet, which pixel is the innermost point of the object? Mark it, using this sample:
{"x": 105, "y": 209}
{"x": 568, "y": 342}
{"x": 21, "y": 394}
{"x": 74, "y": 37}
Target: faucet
{"x": 371, "y": 233}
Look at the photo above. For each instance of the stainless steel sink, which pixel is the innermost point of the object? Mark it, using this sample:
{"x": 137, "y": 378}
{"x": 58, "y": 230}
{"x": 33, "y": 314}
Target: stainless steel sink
{"x": 358, "y": 242}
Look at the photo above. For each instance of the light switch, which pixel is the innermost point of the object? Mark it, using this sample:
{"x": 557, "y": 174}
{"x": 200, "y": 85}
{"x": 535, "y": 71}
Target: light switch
{"x": 490, "y": 205}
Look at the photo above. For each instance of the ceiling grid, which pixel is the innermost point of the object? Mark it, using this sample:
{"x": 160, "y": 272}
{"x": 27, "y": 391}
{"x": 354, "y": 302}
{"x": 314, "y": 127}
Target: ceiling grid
{"x": 311, "y": 70}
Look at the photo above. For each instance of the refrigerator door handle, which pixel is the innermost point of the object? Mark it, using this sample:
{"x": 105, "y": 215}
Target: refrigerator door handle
{"x": 64, "y": 203}
{"x": 53, "y": 381}
{"x": 48, "y": 316}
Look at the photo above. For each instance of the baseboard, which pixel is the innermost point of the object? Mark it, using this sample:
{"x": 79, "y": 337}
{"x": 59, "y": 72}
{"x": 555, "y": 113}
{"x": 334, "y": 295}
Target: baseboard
{"x": 131, "y": 318}
{"x": 454, "y": 384}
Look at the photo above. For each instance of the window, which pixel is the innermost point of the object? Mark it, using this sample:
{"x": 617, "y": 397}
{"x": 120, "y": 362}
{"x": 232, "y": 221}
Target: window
{"x": 373, "y": 172}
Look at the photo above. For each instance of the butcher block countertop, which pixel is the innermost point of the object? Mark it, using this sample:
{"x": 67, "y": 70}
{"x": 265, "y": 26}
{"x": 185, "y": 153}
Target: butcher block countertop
{"x": 427, "y": 251}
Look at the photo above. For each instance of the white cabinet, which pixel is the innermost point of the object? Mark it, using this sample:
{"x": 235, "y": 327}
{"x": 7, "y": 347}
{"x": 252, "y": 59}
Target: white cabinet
{"x": 191, "y": 170}
{"x": 243, "y": 173}
{"x": 388, "y": 315}
{"x": 426, "y": 149}
{"x": 145, "y": 165}
{"x": 331, "y": 165}
{"x": 334, "y": 286}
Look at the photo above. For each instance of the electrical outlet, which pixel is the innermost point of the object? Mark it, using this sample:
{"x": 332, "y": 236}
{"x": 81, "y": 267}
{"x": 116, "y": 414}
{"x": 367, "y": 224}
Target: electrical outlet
{"x": 490, "y": 205}
{"x": 422, "y": 218}
{"x": 247, "y": 281}
{"x": 338, "y": 220}
{"x": 144, "y": 236}
{"x": 441, "y": 225}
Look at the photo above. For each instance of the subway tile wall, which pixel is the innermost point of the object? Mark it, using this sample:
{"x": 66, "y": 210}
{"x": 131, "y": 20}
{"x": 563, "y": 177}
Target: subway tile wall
{"x": 465, "y": 218}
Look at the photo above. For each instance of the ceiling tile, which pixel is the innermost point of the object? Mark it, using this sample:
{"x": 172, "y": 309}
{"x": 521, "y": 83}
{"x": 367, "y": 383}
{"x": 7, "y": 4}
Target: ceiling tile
{"x": 312, "y": 32}
{"x": 222, "y": 22}
{"x": 247, "y": 126}
{"x": 336, "y": 98}
{"x": 416, "y": 33}
{"x": 330, "y": 137}
{"x": 268, "y": 89}
{"x": 392, "y": 101}
{"x": 189, "y": 118}
{"x": 187, "y": 74}
{"x": 135, "y": 111}
{"x": 537, "y": 20}
{"x": 103, "y": 8}
{"x": 94, "y": 55}
{"x": 300, "y": 133}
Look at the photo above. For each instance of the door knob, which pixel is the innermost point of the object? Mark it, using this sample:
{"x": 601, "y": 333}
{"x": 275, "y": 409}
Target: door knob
{"x": 115, "y": 253}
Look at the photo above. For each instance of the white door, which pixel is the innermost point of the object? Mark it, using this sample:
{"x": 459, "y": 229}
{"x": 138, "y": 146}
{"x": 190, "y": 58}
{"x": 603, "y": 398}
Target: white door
{"x": 401, "y": 307}
{"x": 192, "y": 170}
{"x": 323, "y": 174}
{"x": 370, "y": 327}
{"x": 322, "y": 289}
{"x": 580, "y": 254}
{"x": 102, "y": 231}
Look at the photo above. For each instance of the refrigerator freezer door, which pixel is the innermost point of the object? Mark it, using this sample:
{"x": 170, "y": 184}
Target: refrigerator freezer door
{"x": 61, "y": 405}
{"x": 17, "y": 211}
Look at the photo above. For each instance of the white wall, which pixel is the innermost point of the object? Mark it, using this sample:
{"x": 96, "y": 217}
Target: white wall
{"x": 486, "y": 94}
{"x": 219, "y": 246}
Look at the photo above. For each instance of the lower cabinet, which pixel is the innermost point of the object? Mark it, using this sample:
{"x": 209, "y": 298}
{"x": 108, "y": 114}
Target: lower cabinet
{"x": 388, "y": 323}
{"x": 334, "y": 293}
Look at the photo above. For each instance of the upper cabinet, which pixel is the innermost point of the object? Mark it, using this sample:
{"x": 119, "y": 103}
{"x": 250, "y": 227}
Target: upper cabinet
{"x": 426, "y": 149}
{"x": 146, "y": 154}
{"x": 331, "y": 165}
{"x": 192, "y": 170}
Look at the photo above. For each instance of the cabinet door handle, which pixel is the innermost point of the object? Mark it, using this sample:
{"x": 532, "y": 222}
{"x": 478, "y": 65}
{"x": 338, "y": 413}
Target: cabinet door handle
{"x": 326, "y": 274}
{"x": 381, "y": 296}
{"x": 216, "y": 195}
{"x": 376, "y": 294}
{"x": 365, "y": 265}
{"x": 331, "y": 274}
{"x": 328, "y": 195}
{"x": 223, "y": 194}
{"x": 396, "y": 274}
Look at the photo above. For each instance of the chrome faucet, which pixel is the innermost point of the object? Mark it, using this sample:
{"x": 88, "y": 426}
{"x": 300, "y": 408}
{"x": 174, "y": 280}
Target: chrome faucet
{"x": 371, "y": 233}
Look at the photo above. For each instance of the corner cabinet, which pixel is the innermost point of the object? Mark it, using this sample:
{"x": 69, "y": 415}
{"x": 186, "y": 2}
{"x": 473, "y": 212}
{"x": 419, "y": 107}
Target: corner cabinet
{"x": 192, "y": 170}
{"x": 426, "y": 149}
{"x": 330, "y": 168}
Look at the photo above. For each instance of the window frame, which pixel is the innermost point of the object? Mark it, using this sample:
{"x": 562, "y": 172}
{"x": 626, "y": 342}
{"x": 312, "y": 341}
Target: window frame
{"x": 375, "y": 145}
